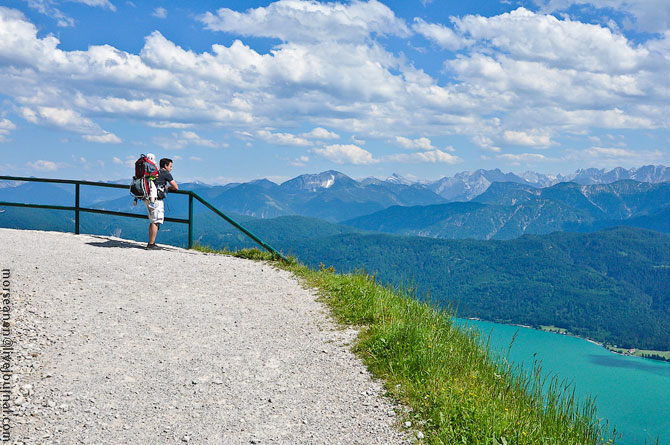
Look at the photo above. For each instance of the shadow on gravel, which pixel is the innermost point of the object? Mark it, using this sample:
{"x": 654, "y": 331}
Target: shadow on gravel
{"x": 117, "y": 243}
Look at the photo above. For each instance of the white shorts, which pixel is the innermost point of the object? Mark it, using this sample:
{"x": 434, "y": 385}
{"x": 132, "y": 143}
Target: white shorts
{"x": 155, "y": 210}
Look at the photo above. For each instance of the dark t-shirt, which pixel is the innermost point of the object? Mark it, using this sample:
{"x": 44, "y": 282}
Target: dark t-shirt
{"x": 163, "y": 181}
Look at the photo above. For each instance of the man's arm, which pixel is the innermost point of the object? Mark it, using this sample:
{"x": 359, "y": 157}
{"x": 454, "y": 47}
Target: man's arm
{"x": 173, "y": 185}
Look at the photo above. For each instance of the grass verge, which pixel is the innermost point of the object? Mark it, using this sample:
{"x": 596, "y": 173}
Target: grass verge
{"x": 458, "y": 393}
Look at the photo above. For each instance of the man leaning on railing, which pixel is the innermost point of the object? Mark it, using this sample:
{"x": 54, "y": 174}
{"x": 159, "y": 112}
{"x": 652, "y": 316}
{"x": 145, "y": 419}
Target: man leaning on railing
{"x": 156, "y": 210}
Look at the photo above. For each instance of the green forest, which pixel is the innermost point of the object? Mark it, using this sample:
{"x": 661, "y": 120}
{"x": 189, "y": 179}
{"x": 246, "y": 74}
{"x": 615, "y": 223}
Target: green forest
{"x": 610, "y": 286}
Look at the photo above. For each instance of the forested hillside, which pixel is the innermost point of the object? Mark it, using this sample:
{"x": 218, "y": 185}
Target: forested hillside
{"x": 610, "y": 285}
{"x": 509, "y": 210}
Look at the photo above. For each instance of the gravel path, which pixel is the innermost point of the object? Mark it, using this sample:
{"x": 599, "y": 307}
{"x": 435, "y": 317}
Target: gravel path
{"x": 211, "y": 349}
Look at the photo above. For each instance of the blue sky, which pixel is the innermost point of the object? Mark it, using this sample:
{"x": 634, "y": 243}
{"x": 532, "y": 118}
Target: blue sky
{"x": 239, "y": 90}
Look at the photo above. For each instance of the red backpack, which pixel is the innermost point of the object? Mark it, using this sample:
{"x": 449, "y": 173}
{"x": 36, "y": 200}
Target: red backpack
{"x": 145, "y": 171}
{"x": 145, "y": 168}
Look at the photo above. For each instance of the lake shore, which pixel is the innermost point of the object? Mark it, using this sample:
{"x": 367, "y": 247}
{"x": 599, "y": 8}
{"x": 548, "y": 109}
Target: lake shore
{"x": 659, "y": 356}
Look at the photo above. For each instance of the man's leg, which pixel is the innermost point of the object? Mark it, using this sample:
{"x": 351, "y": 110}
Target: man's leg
{"x": 153, "y": 230}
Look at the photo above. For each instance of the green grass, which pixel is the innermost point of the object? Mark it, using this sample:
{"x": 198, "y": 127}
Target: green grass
{"x": 645, "y": 353}
{"x": 554, "y": 329}
{"x": 457, "y": 392}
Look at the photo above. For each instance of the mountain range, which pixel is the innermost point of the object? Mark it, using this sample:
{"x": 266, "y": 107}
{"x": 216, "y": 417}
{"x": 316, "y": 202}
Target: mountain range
{"x": 508, "y": 210}
{"x": 330, "y": 195}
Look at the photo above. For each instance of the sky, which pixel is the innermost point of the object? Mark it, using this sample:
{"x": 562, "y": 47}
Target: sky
{"x": 239, "y": 90}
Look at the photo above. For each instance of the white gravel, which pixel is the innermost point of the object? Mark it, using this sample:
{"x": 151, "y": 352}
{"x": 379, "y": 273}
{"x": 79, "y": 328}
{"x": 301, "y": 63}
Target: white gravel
{"x": 118, "y": 345}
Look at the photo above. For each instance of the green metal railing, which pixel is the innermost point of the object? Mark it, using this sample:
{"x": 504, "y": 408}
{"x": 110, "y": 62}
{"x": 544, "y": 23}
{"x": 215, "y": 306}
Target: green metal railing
{"x": 77, "y": 208}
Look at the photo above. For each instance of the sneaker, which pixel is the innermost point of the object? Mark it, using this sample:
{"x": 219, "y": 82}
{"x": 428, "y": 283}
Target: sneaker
{"x": 152, "y": 247}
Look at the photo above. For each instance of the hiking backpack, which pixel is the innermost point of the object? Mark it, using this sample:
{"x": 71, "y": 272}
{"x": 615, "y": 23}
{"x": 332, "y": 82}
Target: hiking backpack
{"x": 145, "y": 171}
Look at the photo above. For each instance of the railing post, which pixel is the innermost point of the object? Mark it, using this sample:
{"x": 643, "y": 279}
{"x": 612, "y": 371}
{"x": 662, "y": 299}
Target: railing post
{"x": 190, "y": 220}
{"x": 76, "y": 209}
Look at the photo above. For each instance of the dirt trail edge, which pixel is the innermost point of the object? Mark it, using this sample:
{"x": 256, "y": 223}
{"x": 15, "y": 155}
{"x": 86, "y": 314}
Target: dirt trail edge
{"x": 117, "y": 345}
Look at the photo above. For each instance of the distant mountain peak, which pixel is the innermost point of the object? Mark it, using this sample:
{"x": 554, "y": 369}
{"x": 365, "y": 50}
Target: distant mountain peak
{"x": 315, "y": 182}
{"x": 395, "y": 178}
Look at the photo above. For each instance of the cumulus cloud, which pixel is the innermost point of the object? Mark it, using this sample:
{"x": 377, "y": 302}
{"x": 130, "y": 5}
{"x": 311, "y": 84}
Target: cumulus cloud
{"x": 345, "y": 154}
{"x": 282, "y": 138}
{"x": 485, "y": 142}
{"x": 105, "y": 138}
{"x": 69, "y": 120}
{"x": 44, "y": 166}
{"x": 164, "y": 124}
{"x": 533, "y": 138}
{"x": 309, "y": 21}
{"x": 431, "y": 156}
{"x": 6, "y": 126}
{"x": 440, "y": 34}
{"x": 513, "y": 72}
{"x": 178, "y": 141}
{"x": 525, "y": 35}
{"x": 50, "y": 8}
{"x": 422, "y": 143}
{"x": 523, "y": 157}
{"x": 300, "y": 161}
{"x": 320, "y": 133}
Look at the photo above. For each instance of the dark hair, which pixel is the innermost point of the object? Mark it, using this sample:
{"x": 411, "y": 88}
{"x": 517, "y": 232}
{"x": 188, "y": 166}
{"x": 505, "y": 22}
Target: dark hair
{"x": 165, "y": 162}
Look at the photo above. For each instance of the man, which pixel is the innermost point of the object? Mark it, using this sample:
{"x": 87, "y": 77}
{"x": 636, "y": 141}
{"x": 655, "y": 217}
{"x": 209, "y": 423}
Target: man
{"x": 156, "y": 210}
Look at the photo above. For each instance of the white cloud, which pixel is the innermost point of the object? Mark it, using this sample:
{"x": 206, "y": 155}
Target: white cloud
{"x": 50, "y": 9}
{"x": 105, "y": 4}
{"x": 422, "y": 143}
{"x": 117, "y": 161}
{"x": 320, "y": 133}
{"x": 432, "y": 156}
{"x": 521, "y": 70}
{"x": 178, "y": 141}
{"x": 159, "y": 12}
{"x": 6, "y": 126}
{"x": 485, "y": 142}
{"x": 531, "y": 138}
{"x": 300, "y": 162}
{"x": 309, "y": 21}
{"x": 345, "y": 154}
{"x": 523, "y": 157}
{"x": 282, "y": 138}
{"x": 525, "y": 35}
{"x": 105, "y": 138}
{"x": 164, "y": 124}
{"x": 194, "y": 158}
{"x": 69, "y": 120}
{"x": 44, "y": 166}
{"x": 440, "y": 34}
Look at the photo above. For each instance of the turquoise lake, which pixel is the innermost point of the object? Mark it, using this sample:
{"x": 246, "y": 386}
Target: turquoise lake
{"x": 632, "y": 392}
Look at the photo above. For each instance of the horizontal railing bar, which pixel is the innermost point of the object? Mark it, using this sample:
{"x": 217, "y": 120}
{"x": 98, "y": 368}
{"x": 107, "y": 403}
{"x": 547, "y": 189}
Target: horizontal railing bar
{"x": 72, "y": 181}
{"x": 87, "y": 210}
{"x": 37, "y": 206}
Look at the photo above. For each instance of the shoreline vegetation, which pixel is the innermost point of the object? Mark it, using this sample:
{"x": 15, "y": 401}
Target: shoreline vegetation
{"x": 452, "y": 388}
{"x": 661, "y": 356}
